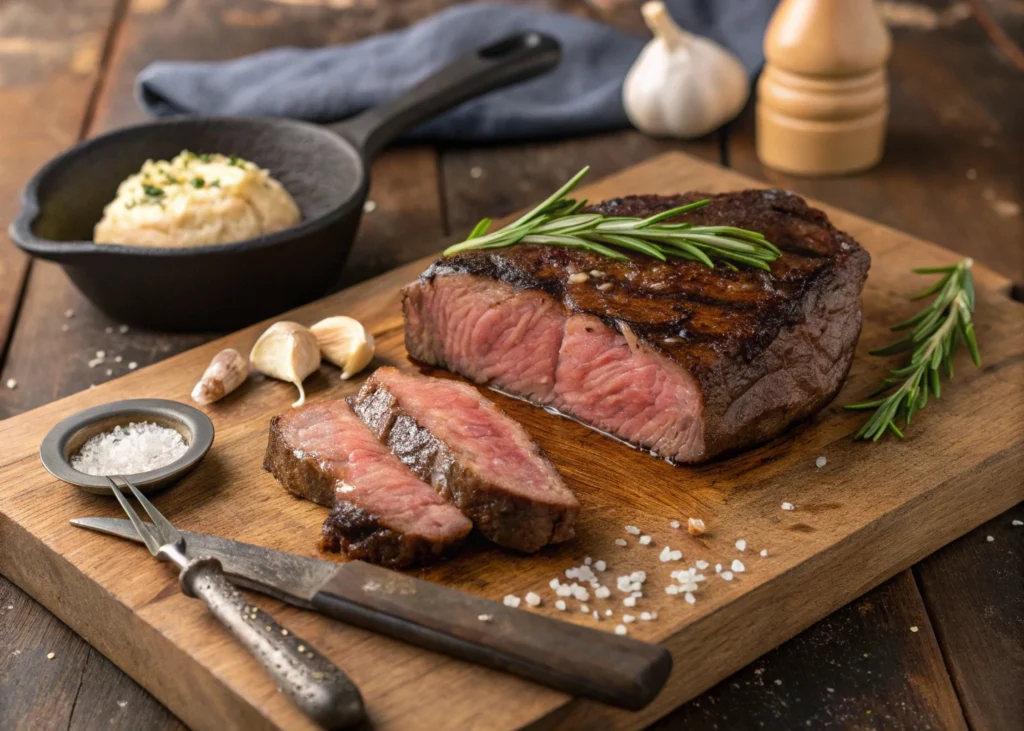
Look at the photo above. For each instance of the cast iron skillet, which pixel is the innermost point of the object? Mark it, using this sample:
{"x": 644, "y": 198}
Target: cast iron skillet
{"x": 222, "y": 287}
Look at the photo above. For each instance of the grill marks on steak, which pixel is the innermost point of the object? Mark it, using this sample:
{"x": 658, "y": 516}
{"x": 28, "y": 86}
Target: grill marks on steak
{"x": 381, "y": 511}
{"x": 474, "y": 455}
{"x": 674, "y": 357}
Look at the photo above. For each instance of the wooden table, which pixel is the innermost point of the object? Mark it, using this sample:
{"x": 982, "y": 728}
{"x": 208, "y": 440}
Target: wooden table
{"x": 940, "y": 646}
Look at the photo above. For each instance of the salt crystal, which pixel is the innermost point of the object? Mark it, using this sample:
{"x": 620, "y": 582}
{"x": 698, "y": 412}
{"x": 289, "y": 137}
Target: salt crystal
{"x": 738, "y": 566}
{"x": 95, "y": 362}
{"x": 913, "y": 629}
{"x": 696, "y": 526}
{"x": 727, "y": 575}
{"x": 485, "y": 617}
{"x": 554, "y": 583}
{"x": 560, "y": 605}
{"x": 632, "y": 530}
{"x": 821, "y": 462}
{"x": 645, "y": 540}
{"x": 533, "y": 599}
{"x": 764, "y": 552}
{"x": 584, "y": 608}
{"x": 674, "y": 524}
{"x": 118, "y": 358}
{"x": 608, "y": 612}
{"x": 690, "y": 598}
{"x": 369, "y": 206}
{"x": 69, "y": 313}
{"x": 741, "y": 545}
{"x": 122, "y": 329}
{"x": 1018, "y": 522}
{"x": 620, "y": 629}
{"x": 139, "y": 447}
{"x": 620, "y": 541}
{"x": 629, "y": 601}
{"x": 671, "y": 589}
{"x": 596, "y": 616}
{"x": 122, "y": 704}
{"x": 109, "y": 372}
{"x": 50, "y": 655}
{"x": 666, "y": 555}
{"x": 476, "y": 172}
{"x": 718, "y": 568}
{"x": 600, "y": 565}
{"x": 602, "y": 592}
{"x": 990, "y": 538}
{"x": 628, "y": 619}
{"x": 11, "y": 383}
{"x": 587, "y": 561}
{"x": 510, "y": 600}
{"x": 778, "y": 682}
{"x": 133, "y": 365}
{"x": 700, "y": 564}
{"x": 788, "y": 506}
{"x": 638, "y": 576}
{"x": 108, "y": 329}
{"x": 64, "y": 328}
{"x": 645, "y": 616}
{"x": 564, "y": 590}
{"x": 101, "y": 354}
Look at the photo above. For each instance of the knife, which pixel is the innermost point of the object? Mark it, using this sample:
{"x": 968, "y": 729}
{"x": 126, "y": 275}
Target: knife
{"x": 613, "y": 669}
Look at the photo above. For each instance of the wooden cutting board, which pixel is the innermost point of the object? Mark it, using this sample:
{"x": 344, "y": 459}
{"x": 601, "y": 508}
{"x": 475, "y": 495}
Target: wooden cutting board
{"x": 870, "y": 512}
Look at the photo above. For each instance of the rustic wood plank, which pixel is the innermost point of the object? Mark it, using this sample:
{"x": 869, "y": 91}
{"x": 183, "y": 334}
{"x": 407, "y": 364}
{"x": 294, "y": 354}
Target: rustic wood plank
{"x": 974, "y": 591}
{"x": 873, "y": 664}
{"x": 851, "y": 531}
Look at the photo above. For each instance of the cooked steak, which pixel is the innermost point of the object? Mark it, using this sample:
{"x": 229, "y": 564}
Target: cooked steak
{"x": 381, "y": 511}
{"x": 686, "y": 361}
{"x": 475, "y": 455}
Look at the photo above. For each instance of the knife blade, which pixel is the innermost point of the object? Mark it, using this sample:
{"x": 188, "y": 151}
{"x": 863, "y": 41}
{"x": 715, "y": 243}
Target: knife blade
{"x": 617, "y": 670}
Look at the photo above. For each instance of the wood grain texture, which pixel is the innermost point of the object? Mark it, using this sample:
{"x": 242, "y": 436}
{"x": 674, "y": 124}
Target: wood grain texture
{"x": 854, "y": 525}
{"x": 974, "y": 590}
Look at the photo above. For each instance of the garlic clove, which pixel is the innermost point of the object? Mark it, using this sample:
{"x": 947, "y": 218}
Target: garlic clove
{"x": 345, "y": 343}
{"x": 289, "y": 352}
{"x": 226, "y": 372}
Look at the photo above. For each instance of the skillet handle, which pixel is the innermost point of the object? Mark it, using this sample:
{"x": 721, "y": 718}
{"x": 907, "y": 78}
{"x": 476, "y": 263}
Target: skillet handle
{"x": 516, "y": 58}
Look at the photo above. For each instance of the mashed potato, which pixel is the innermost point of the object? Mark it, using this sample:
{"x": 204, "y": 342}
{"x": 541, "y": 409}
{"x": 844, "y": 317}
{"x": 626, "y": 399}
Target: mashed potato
{"x": 195, "y": 200}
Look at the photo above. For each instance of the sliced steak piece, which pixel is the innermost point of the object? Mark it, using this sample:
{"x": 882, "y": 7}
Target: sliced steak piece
{"x": 673, "y": 357}
{"x": 475, "y": 455}
{"x": 381, "y": 511}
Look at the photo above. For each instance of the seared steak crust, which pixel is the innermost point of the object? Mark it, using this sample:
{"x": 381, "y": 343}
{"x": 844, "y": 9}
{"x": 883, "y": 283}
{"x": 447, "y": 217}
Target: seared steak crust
{"x": 761, "y": 349}
{"x": 361, "y": 535}
{"x": 524, "y": 506}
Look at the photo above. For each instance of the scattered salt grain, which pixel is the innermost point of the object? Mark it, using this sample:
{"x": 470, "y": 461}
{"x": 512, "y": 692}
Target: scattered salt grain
{"x": 510, "y": 600}
{"x": 671, "y": 589}
{"x": 690, "y": 598}
{"x": 596, "y": 616}
{"x": 101, "y": 354}
{"x": 608, "y": 612}
{"x": 990, "y": 538}
{"x": 109, "y": 372}
{"x": 122, "y": 329}
{"x": 638, "y": 577}
{"x": 701, "y": 564}
{"x": 554, "y": 584}
{"x": 605, "y": 286}
{"x": 632, "y": 530}
{"x": 578, "y": 278}
{"x": 108, "y": 329}
{"x": 560, "y": 605}
{"x": 369, "y": 206}
{"x": 628, "y": 619}
{"x": 133, "y": 365}
{"x": 600, "y": 565}
{"x": 585, "y": 609}
{"x": 118, "y": 358}
{"x": 1018, "y": 523}
{"x": 674, "y": 524}
{"x": 602, "y": 592}
{"x": 788, "y": 506}
{"x": 741, "y": 545}
{"x": 645, "y": 540}
{"x": 69, "y": 313}
{"x": 122, "y": 704}
{"x": 64, "y": 328}
{"x": 620, "y": 629}
{"x": 485, "y": 617}
{"x": 476, "y": 172}
{"x": 95, "y": 362}
{"x": 695, "y": 526}
{"x": 778, "y": 682}
{"x": 764, "y": 552}
{"x": 718, "y": 568}
{"x": 727, "y": 575}
{"x": 645, "y": 616}
{"x": 831, "y": 690}
{"x": 587, "y": 561}
{"x": 11, "y": 383}
{"x": 629, "y": 601}
{"x": 820, "y": 462}
{"x": 50, "y": 656}
{"x": 533, "y": 599}
{"x": 564, "y": 590}
{"x": 620, "y": 542}
{"x": 738, "y": 566}
{"x": 139, "y": 447}
{"x": 914, "y": 628}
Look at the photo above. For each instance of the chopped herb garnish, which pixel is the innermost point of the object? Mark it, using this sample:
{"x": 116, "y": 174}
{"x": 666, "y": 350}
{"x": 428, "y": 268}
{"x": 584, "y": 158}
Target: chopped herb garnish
{"x": 170, "y": 179}
{"x": 236, "y": 161}
{"x": 152, "y": 190}
{"x": 198, "y": 182}
{"x": 215, "y": 183}
{"x": 204, "y": 157}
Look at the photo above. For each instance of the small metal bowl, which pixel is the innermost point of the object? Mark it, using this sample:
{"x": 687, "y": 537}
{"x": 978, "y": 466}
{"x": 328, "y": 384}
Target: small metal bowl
{"x": 68, "y": 436}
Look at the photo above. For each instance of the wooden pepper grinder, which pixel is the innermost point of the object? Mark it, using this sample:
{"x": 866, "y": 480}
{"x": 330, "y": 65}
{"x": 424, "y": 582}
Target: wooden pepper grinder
{"x": 823, "y": 97}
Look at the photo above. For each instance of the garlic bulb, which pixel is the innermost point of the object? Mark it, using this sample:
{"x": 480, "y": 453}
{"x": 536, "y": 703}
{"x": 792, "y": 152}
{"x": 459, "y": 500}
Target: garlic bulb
{"x": 226, "y": 372}
{"x": 289, "y": 352}
{"x": 682, "y": 85}
{"x": 345, "y": 343}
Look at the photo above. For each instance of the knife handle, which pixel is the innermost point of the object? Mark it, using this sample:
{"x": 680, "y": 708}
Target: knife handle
{"x": 614, "y": 669}
{"x": 312, "y": 682}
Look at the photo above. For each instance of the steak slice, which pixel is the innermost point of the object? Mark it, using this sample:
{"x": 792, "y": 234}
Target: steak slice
{"x": 476, "y": 456}
{"x": 685, "y": 361}
{"x": 381, "y": 511}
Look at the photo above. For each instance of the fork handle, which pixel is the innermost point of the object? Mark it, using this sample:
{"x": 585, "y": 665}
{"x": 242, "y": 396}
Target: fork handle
{"x": 313, "y": 683}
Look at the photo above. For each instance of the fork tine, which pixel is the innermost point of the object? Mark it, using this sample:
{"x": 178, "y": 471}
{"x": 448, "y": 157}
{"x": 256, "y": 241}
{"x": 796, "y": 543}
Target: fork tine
{"x": 144, "y": 533}
{"x": 167, "y": 533}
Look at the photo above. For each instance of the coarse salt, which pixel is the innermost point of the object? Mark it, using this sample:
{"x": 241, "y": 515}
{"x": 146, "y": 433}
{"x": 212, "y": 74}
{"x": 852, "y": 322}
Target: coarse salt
{"x": 629, "y": 601}
{"x": 788, "y": 506}
{"x": 122, "y": 329}
{"x": 554, "y": 583}
{"x": 913, "y": 629}
{"x": 50, "y": 655}
{"x": 821, "y": 462}
{"x": 701, "y": 564}
{"x": 578, "y": 278}
{"x": 560, "y": 605}
{"x": 602, "y": 592}
{"x": 764, "y": 552}
{"x": 608, "y": 612}
{"x": 620, "y": 629}
{"x": 690, "y": 598}
{"x": 139, "y": 447}
{"x": 585, "y": 609}
{"x": 69, "y": 313}
{"x": 620, "y": 542}
{"x": 628, "y": 619}
{"x": 718, "y": 568}
{"x": 645, "y": 540}
{"x": 1018, "y": 523}
{"x": 485, "y": 617}
{"x": 510, "y": 600}
{"x": 533, "y": 599}
{"x": 674, "y": 523}
{"x": 727, "y": 575}
{"x": 632, "y": 530}
{"x": 133, "y": 365}
{"x": 600, "y": 565}
{"x": 695, "y": 526}
{"x": 645, "y": 616}
{"x": 671, "y": 589}
{"x": 741, "y": 545}
{"x": 990, "y": 538}
{"x": 738, "y": 566}
{"x": 587, "y": 561}
{"x": 11, "y": 383}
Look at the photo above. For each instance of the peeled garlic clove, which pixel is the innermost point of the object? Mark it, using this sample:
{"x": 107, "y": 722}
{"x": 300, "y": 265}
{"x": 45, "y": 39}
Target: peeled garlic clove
{"x": 345, "y": 343}
{"x": 287, "y": 351}
{"x": 226, "y": 372}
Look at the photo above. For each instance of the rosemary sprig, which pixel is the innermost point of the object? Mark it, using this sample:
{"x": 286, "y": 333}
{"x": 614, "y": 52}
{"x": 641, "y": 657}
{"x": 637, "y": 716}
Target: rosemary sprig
{"x": 558, "y": 222}
{"x": 935, "y": 334}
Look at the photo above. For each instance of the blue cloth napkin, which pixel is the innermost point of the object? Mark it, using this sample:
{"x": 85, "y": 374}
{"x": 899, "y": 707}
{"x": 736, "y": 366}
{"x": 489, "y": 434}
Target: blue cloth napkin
{"x": 582, "y": 94}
